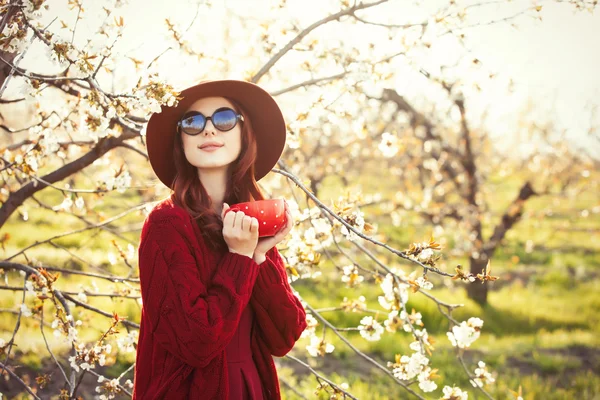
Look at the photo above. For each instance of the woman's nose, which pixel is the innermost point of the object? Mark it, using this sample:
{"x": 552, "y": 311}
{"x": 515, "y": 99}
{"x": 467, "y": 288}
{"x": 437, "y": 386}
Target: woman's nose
{"x": 209, "y": 127}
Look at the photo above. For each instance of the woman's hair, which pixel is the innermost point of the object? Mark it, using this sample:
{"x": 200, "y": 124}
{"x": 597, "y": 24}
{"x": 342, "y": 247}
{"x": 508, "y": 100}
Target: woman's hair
{"x": 190, "y": 194}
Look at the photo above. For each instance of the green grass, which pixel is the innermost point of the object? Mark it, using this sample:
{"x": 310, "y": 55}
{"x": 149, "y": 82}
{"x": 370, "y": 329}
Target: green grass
{"x": 540, "y": 327}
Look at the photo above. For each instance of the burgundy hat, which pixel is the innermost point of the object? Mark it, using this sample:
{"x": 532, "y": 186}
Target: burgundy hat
{"x": 267, "y": 122}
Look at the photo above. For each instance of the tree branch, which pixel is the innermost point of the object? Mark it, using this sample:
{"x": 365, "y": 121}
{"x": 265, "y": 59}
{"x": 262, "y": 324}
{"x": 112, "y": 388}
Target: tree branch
{"x": 302, "y": 34}
{"x": 17, "y": 198}
{"x": 510, "y": 217}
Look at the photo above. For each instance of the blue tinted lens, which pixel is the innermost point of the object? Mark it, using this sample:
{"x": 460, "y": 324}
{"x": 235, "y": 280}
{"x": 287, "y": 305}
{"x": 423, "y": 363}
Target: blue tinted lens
{"x": 224, "y": 120}
{"x": 193, "y": 124}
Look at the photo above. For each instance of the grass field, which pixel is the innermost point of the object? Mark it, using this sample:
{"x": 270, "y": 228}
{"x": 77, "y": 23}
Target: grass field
{"x": 540, "y": 327}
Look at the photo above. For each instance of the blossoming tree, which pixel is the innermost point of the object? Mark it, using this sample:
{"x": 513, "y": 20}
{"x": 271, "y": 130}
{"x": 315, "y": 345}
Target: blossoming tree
{"x": 73, "y": 127}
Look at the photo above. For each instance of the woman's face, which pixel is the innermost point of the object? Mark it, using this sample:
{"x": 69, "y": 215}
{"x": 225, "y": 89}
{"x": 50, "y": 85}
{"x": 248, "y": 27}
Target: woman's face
{"x": 231, "y": 140}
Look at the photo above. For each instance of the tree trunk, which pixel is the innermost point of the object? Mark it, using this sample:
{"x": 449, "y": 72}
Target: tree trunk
{"x": 478, "y": 291}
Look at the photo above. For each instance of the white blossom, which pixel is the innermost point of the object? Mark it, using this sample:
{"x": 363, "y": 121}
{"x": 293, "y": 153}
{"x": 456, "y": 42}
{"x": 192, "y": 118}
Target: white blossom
{"x": 424, "y": 283}
{"x": 370, "y": 329}
{"x": 466, "y": 333}
{"x": 120, "y": 183}
{"x": 310, "y": 327}
{"x": 29, "y": 287}
{"x": 112, "y": 258}
{"x": 392, "y": 293}
{"x": 66, "y": 204}
{"x": 422, "y": 339}
{"x": 73, "y": 334}
{"x": 388, "y": 145}
{"x": 454, "y": 393}
{"x": 319, "y": 347}
{"x": 127, "y": 343}
{"x": 351, "y": 275}
{"x": 16, "y": 45}
{"x": 425, "y": 383}
{"x": 393, "y": 321}
{"x": 130, "y": 251}
{"x": 426, "y": 254}
{"x": 410, "y": 366}
{"x": 483, "y": 377}
{"x": 79, "y": 203}
{"x": 25, "y": 310}
{"x": 414, "y": 319}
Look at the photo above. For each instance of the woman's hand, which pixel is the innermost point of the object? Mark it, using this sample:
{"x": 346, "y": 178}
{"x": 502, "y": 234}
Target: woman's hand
{"x": 240, "y": 231}
{"x": 267, "y": 243}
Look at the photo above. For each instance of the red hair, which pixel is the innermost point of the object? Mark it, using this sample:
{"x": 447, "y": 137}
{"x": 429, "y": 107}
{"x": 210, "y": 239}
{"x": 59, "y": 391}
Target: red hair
{"x": 190, "y": 194}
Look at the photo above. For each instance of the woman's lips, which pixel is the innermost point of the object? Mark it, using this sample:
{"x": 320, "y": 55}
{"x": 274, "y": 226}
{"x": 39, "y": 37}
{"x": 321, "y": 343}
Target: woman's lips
{"x": 210, "y": 148}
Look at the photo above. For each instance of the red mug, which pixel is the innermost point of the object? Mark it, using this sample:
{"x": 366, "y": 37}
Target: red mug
{"x": 270, "y": 214}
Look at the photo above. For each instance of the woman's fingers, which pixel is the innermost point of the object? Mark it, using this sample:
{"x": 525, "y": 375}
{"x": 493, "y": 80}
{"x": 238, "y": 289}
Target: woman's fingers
{"x": 254, "y": 225}
{"x": 246, "y": 223}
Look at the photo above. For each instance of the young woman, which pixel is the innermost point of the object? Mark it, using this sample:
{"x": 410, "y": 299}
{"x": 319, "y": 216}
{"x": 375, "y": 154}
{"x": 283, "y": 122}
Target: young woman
{"x": 217, "y": 304}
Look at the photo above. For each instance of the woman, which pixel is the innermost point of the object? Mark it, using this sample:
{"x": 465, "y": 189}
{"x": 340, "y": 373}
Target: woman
{"x": 217, "y": 304}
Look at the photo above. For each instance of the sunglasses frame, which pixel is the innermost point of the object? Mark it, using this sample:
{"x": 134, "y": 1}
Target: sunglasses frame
{"x": 239, "y": 117}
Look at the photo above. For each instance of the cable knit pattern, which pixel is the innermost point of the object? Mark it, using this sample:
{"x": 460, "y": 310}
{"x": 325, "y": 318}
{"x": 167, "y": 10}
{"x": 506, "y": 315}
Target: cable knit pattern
{"x": 193, "y": 300}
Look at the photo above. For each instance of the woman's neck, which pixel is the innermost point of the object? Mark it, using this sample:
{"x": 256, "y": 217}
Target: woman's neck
{"x": 215, "y": 183}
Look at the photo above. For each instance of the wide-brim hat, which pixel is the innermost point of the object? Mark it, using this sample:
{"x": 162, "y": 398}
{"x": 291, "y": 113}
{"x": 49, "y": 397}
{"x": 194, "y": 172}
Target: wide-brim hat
{"x": 267, "y": 119}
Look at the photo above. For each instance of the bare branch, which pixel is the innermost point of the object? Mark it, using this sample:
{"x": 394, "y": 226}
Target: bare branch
{"x": 350, "y": 227}
{"x": 17, "y": 198}
{"x": 319, "y": 376}
{"x": 96, "y": 310}
{"x": 302, "y": 34}
{"x": 15, "y": 376}
{"x": 309, "y": 82}
{"x": 510, "y": 217}
{"x": 48, "y": 347}
{"x": 105, "y": 222}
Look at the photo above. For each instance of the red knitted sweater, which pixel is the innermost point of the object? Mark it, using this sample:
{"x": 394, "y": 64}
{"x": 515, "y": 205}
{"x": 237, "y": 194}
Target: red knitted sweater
{"x": 193, "y": 299}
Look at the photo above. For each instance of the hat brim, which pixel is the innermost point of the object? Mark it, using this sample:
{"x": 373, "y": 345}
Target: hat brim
{"x": 267, "y": 122}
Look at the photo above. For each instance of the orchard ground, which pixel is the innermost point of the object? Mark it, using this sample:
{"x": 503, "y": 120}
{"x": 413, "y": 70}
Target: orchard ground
{"x": 539, "y": 332}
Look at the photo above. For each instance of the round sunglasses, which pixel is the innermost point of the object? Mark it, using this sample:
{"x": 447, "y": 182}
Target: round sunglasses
{"x": 223, "y": 119}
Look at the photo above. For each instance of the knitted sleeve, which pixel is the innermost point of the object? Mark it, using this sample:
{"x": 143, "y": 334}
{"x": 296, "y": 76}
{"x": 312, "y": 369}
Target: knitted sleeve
{"x": 192, "y": 319}
{"x": 279, "y": 312}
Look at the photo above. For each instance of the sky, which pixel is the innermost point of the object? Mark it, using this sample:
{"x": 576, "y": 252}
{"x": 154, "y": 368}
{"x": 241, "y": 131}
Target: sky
{"x": 556, "y": 63}
{"x": 553, "y": 63}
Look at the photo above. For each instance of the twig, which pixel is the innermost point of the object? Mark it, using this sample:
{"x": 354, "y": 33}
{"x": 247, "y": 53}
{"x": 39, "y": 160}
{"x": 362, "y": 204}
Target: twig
{"x": 96, "y": 310}
{"x": 18, "y": 324}
{"x": 350, "y": 227}
{"x": 360, "y": 353}
{"x": 309, "y": 83}
{"x": 319, "y": 376}
{"x": 119, "y": 385}
{"x": 17, "y": 289}
{"x": 20, "y": 381}
{"x": 462, "y": 362}
{"x": 50, "y": 351}
{"x": 293, "y": 389}
{"x": 302, "y": 34}
{"x": 108, "y": 221}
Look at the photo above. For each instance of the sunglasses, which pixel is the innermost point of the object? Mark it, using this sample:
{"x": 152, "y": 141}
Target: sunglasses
{"x": 194, "y": 122}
